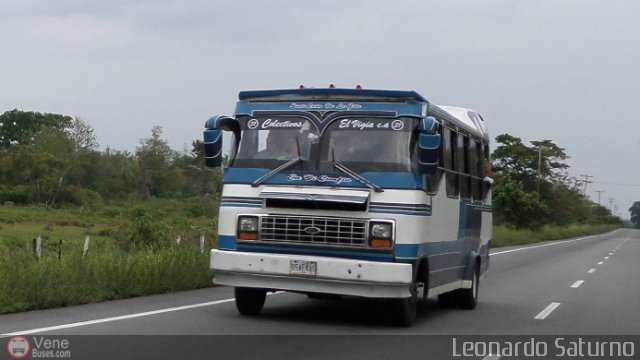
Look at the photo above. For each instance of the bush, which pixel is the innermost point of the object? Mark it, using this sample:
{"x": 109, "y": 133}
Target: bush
{"x": 15, "y": 194}
{"x": 517, "y": 208}
{"x": 86, "y": 198}
{"x": 202, "y": 206}
{"x": 148, "y": 230}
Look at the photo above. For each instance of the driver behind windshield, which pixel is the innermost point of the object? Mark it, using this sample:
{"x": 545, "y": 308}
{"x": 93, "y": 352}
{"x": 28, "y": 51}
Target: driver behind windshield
{"x": 281, "y": 145}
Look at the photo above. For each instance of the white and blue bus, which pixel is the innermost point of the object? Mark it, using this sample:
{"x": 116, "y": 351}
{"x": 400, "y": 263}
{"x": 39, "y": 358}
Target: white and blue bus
{"x": 355, "y": 192}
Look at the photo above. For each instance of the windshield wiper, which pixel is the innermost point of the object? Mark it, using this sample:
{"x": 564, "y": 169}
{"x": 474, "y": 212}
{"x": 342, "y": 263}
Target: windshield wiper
{"x": 284, "y": 166}
{"x": 338, "y": 166}
{"x": 353, "y": 174}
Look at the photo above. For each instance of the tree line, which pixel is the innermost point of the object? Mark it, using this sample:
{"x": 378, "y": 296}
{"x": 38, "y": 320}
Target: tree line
{"x": 533, "y": 187}
{"x": 53, "y": 159}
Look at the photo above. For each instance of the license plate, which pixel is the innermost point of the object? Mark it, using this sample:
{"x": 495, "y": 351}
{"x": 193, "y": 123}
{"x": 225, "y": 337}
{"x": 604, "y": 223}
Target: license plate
{"x": 303, "y": 267}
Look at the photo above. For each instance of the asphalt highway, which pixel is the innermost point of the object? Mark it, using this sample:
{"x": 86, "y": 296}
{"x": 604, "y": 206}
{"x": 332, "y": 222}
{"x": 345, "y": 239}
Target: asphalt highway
{"x": 581, "y": 286}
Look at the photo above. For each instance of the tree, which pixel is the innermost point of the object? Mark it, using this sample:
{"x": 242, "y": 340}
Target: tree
{"x": 20, "y": 127}
{"x": 81, "y": 133}
{"x": 535, "y": 166}
{"x": 69, "y": 146}
{"x": 635, "y": 214}
{"x": 155, "y": 159}
{"x": 514, "y": 206}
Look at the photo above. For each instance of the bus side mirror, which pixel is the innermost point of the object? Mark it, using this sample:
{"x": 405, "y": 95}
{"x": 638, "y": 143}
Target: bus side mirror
{"x": 428, "y": 125}
{"x": 428, "y": 145}
{"x": 213, "y": 138}
{"x": 213, "y": 148}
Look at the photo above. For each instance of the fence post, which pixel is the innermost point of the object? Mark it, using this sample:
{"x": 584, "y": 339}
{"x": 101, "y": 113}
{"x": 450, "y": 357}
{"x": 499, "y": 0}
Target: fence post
{"x": 202, "y": 243}
{"x": 60, "y": 250}
{"x": 37, "y": 247}
{"x": 85, "y": 249}
{"x": 179, "y": 239}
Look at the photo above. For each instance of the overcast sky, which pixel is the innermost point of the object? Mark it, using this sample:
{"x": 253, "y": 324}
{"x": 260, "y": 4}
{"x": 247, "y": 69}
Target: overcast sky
{"x": 561, "y": 70}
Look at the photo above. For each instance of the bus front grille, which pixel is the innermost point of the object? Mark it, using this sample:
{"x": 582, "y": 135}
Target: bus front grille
{"x": 313, "y": 230}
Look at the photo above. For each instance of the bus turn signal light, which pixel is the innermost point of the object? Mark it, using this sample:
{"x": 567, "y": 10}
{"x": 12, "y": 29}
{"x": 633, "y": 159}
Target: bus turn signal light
{"x": 380, "y": 243}
{"x": 248, "y": 236}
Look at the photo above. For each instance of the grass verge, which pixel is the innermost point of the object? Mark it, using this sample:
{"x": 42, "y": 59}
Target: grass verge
{"x": 133, "y": 252}
{"x": 72, "y": 280}
{"x": 504, "y": 236}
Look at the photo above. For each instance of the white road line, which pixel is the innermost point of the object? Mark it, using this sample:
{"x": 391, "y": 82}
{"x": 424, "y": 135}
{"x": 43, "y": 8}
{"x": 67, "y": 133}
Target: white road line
{"x": 548, "y": 310}
{"x": 606, "y": 258}
{"x": 610, "y": 254}
{"x": 539, "y": 246}
{"x": 118, "y": 318}
{"x": 622, "y": 243}
{"x": 115, "y": 318}
{"x": 491, "y": 357}
{"x": 577, "y": 284}
{"x": 591, "y": 271}
{"x": 601, "y": 262}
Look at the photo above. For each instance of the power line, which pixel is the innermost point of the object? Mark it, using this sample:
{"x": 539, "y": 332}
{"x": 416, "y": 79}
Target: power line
{"x": 586, "y": 182}
{"x": 616, "y": 184}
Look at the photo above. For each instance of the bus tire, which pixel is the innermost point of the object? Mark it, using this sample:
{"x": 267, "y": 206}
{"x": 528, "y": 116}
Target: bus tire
{"x": 405, "y": 310}
{"x": 468, "y": 298}
{"x": 250, "y": 301}
{"x": 447, "y": 300}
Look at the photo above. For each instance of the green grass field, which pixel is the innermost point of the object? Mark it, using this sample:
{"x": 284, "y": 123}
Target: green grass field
{"x": 111, "y": 269}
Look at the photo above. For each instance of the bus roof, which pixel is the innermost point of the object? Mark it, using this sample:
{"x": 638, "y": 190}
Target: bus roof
{"x": 333, "y": 94}
{"x": 468, "y": 118}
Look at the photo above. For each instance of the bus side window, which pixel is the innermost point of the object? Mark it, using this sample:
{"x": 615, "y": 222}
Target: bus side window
{"x": 433, "y": 181}
{"x": 475, "y": 151}
{"x": 463, "y": 166}
{"x": 450, "y": 150}
{"x": 486, "y": 185}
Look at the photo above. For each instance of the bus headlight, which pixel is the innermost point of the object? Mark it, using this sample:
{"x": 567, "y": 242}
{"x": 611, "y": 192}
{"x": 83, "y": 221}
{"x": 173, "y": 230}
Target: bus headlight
{"x": 380, "y": 235}
{"x": 248, "y": 228}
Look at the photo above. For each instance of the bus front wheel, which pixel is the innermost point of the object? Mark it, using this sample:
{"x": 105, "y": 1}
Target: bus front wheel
{"x": 463, "y": 298}
{"x": 405, "y": 310}
{"x": 250, "y": 301}
{"x": 468, "y": 298}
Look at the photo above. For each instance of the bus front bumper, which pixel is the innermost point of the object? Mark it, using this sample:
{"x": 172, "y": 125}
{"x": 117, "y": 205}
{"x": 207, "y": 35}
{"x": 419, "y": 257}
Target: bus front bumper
{"x": 312, "y": 274}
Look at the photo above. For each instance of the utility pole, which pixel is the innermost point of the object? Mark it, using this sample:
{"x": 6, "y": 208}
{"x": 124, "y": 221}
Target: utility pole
{"x": 611, "y": 200}
{"x": 539, "y": 166}
{"x": 586, "y": 182}
{"x": 599, "y": 193}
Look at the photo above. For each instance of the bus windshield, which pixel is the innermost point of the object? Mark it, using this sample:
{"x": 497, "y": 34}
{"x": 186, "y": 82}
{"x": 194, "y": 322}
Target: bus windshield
{"x": 368, "y": 144}
{"x": 362, "y": 144}
{"x": 268, "y": 142}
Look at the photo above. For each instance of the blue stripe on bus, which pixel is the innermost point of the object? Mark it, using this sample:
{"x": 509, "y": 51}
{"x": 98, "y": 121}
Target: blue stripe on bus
{"x": 386, "y": 180}
{"x": 226, "y": 242}
{"x": 432, "y": 248}
{"x": 245, "y": 205}
{"x": 407, "y": 251}
{"x": 360, "y": 255}
{"x": 398, "y": 212}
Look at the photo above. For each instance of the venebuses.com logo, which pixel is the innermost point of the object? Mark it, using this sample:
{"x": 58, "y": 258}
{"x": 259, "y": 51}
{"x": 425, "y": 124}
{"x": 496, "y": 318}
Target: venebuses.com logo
{"x": 39, "y": 347}
{"x": 18, "y": 347}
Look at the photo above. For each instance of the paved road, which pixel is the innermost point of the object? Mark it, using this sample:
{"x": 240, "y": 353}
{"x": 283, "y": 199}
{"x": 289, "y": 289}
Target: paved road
{"x": 583, "y": 286}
